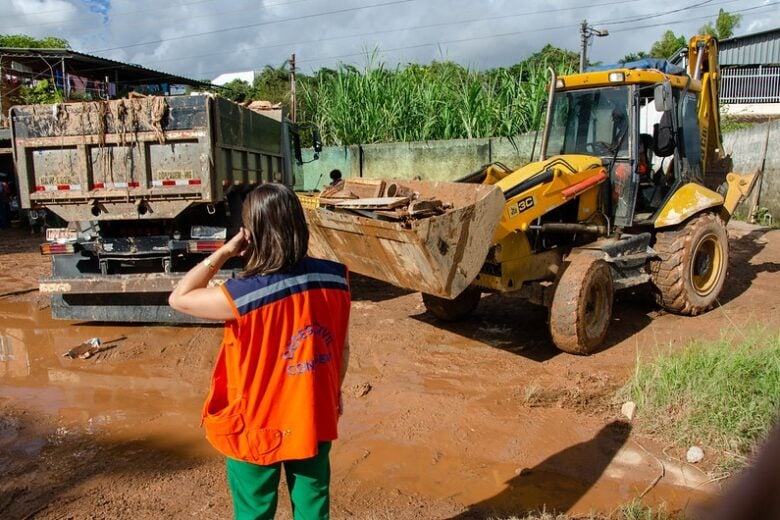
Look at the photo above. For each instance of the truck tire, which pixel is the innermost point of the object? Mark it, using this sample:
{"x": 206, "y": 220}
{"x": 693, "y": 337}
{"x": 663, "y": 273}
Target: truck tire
{"x": 692, "y": 265}
{"x": 582, "y": 305}
{"x": 457, "y": 309}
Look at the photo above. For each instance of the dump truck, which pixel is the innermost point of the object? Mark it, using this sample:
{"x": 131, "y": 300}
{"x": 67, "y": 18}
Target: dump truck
{"x": 631, "y": 187}
{"x": 148, "y": 187}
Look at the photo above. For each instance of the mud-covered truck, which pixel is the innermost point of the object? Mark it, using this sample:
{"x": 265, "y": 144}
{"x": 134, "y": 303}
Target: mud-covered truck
{"x": 148, "y": 187}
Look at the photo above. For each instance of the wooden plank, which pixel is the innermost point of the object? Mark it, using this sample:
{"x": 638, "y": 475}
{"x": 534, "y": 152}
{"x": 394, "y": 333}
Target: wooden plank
{"x": 364, "y": 188}
{"x": 378, "y": 203}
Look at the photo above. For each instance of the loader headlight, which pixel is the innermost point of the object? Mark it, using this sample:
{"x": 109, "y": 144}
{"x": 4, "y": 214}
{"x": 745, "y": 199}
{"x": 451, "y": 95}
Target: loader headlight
{"x": 559, "y": 83}
{"x": 617, "y": 77}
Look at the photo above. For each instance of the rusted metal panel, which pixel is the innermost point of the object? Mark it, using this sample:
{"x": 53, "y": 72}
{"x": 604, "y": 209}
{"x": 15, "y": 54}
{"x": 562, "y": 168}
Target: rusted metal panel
{"x": 439, "y": 255}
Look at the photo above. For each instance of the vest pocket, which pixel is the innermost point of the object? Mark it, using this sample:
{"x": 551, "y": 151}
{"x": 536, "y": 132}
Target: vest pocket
{"x": 224, "y": 433}
{"x": 224, "y": 424}
{"x": 264, "y": 440}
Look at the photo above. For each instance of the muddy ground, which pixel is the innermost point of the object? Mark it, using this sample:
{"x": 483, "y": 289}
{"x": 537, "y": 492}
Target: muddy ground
{"x": 479, "y": 419}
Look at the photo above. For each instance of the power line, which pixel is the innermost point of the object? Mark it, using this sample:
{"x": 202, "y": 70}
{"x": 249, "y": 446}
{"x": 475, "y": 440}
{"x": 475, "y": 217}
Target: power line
{"x": 658, "y": 15}
{"x": 259, "y": 24}
{"x": 697, "y": 18}
{"x": 515, "y": 33}
{"x": 528, "y": 13}
{"x": 400, "y": 29}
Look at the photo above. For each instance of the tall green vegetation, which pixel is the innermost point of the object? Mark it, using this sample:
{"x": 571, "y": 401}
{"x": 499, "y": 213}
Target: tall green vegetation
{"x": 424, "y": 102}
{"x": 416, "y": 102}
{"x": 724, "y": 395}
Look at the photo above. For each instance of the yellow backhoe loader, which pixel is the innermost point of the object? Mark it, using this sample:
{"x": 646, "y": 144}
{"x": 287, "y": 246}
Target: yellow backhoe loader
{"x": 631, "y": 187}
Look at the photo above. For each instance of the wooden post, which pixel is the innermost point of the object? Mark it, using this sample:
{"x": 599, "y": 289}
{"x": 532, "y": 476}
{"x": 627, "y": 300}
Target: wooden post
{"x": 292, "y": 89}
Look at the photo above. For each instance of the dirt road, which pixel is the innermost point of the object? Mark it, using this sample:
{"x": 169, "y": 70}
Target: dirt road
{"x": 442, "y": 421}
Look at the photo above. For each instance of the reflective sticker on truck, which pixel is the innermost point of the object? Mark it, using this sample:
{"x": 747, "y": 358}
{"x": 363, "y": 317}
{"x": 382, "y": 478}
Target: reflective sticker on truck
{"x": 61, "y": 235}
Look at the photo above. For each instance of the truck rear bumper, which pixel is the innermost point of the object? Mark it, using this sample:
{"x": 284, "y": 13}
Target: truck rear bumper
{"x": 118, "y": 284}
{"x": 123, "y": 308}
{"x": 130, "y": 298}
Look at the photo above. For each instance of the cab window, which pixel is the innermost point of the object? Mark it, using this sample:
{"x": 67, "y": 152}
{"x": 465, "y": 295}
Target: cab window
{"x": 590, "y": 122}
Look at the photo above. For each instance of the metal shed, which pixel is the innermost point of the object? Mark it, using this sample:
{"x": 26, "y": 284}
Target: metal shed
{"x": 762, "y": 48}
{"x": 750, "y": 68}
{"x": 72, "y": 72}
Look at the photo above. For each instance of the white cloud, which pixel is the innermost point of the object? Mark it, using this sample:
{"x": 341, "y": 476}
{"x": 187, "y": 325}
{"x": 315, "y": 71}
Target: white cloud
{"x": 203, "y": 38}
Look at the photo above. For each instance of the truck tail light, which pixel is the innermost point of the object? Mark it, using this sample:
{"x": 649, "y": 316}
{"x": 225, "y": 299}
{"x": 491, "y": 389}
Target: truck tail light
{"x": 57, "y": 249}
{"x": 204, "y": 246}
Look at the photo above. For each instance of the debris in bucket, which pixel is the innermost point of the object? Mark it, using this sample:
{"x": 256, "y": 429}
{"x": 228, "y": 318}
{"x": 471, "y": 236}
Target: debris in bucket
{"x": 89, "y": 348}
{"x": 374, "y": 198}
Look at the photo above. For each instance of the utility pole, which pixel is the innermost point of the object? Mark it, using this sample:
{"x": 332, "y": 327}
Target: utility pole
{"x": 292, "y": 88}
{"x": 586, "y": 33}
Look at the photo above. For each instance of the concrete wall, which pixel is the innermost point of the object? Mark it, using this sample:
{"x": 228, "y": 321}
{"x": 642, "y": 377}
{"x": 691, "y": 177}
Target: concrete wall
{"x": 449, "y": 160}
{"x": 753, "y": 149}
{"x": 430, "y": 160}
{"x": 316, "y": 173}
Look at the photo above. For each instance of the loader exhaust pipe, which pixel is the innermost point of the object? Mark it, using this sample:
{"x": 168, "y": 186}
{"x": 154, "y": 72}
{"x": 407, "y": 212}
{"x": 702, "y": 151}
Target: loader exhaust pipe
{"x": 548, "y": 117}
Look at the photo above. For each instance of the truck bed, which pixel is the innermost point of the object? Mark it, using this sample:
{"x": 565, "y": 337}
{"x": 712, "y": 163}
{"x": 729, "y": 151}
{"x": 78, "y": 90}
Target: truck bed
{"x": 140, "y": 158}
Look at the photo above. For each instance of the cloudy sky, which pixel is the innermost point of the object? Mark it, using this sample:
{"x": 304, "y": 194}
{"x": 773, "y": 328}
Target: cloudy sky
{"x": 204, "y": 38}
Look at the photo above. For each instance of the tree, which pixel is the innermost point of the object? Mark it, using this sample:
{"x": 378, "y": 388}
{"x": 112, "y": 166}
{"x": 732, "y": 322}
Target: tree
{"x": 561, "y": 60}
{"x": 22, "y": 41}
{"x": 668, "y": 45}
{"x": 634, "y": 56}
{"x": 236, "y": 90}
{"x": 272, "y": 84}
{"x": 724, "y": 25}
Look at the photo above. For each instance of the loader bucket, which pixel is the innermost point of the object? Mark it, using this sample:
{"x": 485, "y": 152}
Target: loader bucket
{"x": 439, "y": 255}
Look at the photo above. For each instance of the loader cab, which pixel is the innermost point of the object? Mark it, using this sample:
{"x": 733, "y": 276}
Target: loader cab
{"x": 649, "y": 147}
{"x": 600, "y": 122}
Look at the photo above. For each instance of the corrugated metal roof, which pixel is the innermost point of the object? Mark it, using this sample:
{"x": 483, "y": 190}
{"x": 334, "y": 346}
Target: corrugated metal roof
{"x": 752, "y": 49}
{"x": 127, "y": 71}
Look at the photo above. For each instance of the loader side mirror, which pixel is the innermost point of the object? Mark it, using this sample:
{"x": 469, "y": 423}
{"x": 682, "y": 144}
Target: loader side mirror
{"x": 663, "y": 136}
{"x": 662, "y": 97}
{"x": 315, "y": 139}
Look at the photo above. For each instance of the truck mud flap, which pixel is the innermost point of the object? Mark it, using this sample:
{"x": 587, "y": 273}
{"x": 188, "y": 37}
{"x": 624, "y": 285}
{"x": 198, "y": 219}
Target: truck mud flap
{"x": 439, "y": 255}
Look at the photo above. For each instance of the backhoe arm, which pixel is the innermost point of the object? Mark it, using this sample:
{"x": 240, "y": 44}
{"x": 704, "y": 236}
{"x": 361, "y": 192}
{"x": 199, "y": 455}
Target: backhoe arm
{"x": 703, "y": 66}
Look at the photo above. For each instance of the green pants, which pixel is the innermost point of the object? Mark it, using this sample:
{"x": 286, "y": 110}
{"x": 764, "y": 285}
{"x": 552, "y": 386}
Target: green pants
{"x": 255, "y": 488}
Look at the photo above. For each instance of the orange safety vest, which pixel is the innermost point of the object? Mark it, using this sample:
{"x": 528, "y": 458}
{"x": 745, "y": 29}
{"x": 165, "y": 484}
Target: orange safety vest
{"x": 275, "y": 390}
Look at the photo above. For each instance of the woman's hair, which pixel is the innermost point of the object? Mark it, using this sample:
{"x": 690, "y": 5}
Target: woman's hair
{"x": 278, "y": 236}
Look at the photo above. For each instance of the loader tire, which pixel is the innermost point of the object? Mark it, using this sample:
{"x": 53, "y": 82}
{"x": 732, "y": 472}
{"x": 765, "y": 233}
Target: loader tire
{"x": 457, "y": 309}
{"x": 692, "y": 265}
{"x": 582, "y": 305}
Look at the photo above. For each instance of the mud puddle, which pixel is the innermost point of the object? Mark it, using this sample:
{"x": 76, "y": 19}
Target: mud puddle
{"x": 90, "y": 397}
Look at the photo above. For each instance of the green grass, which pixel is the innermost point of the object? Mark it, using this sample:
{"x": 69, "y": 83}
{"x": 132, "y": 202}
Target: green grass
{"x": 722, "y": 395}
{"x": 631, "y": 511}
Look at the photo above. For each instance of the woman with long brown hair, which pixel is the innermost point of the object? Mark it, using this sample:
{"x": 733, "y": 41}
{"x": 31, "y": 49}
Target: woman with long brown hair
{"x": 275, "y": 394}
